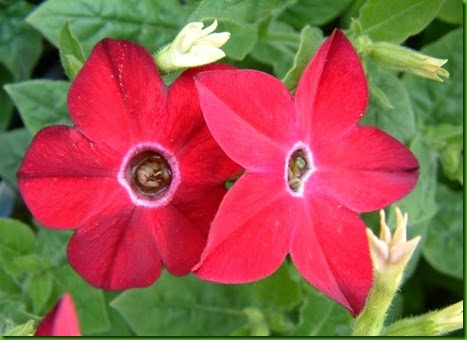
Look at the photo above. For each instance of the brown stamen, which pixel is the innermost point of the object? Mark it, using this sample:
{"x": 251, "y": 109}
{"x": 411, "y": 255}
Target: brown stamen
{"x": 150, "y": 173}
{"x": 298, "y": 168}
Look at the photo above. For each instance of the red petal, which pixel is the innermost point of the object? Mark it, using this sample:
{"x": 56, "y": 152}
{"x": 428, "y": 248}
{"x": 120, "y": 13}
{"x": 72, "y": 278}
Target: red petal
{"x": 184, "y": 118}
{"x": 203, "y": 168}
{"x": 250, "y": 234}
{"x": 118, "y": 95}
{"x": 332, "y": 94}
{"x": 250, "y": 114}
{"x": 330, "y": 249}
{"x": 64, "y": 176}
{"x": 116, "y": 249}
{"x": 366, "y": 169}
{"x": 180, "y": 240}
{"x": 61, "y": 321}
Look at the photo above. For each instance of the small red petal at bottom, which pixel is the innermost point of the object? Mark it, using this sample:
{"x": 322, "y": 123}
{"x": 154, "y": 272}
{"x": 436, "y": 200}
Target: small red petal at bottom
{"x": 61, "y": 321}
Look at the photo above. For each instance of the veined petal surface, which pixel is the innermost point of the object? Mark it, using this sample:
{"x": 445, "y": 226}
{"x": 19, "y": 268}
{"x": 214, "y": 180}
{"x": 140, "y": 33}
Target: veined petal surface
{"x": 332, "y": 93}
{"x": 330, "y": 249}
{"x": 116, "y": 249}
{"x": 118, "y": 95}
{"x": 365, "y": 169}
{"x": 65, "y": 176}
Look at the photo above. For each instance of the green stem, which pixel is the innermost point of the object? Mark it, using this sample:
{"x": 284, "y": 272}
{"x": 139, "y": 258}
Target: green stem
{"x": 370, "y": 322}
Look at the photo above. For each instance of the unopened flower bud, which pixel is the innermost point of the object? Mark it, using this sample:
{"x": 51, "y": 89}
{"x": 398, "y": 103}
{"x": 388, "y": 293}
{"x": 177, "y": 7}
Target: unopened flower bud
{"x": 401, "y": 58}
{"x": 391, "y": 252}
{"x": 434, "y": 323}
{"x": 193, "y": 46}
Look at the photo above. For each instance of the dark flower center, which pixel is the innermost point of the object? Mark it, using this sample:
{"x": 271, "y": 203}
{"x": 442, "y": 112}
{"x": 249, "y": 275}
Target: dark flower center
{"x": 299, "y": 166}
{"x": 150, "y": 173}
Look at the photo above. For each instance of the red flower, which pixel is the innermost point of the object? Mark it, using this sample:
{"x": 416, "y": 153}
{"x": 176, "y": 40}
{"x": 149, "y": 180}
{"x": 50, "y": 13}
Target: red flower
{"x": 61, "y": 321}
{"x": 139, "y": 175}
{"x": 310, "y": 169}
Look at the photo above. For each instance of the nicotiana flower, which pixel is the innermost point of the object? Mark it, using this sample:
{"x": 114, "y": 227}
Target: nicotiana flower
{"x": 61, "y": 321}
{"x": 139, "y": 175}
{"x": 309, "y": 170}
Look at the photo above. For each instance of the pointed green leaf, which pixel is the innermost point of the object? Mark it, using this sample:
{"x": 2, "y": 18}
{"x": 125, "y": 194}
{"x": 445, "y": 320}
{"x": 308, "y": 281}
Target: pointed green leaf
{"x": 71, "y": 53}
{"x": 40, "y": 287}
{"x": 396, "y": 20}
{"x": 40, "y": 102}
{"x": 310, "y": 39}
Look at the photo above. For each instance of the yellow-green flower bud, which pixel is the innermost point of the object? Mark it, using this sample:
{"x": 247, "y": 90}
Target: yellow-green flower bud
{"x": 401, "y": 58}
{"x": 434, "y": 323}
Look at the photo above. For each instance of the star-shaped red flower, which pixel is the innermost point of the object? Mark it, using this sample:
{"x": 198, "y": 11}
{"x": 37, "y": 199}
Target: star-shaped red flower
{"x": 310, "y": 169}
{"x": 139, "y": 175}
{"x": 61, "y": 321}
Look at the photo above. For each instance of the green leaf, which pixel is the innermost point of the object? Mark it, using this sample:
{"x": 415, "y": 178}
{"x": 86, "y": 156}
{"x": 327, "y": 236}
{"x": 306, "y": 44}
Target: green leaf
{"x": 40, "y": 287}
{"x": 399, "y": 119}
{"x": 183, "y": 306}
{"x": 25, "y": 329}
{"x": 319, "y": 315}
{"x": 277, "y": 292}
{"x": 16, "y": 239}
{"x": 310, "y": 39}
{"x": 20, "y": 44}
{"x": 6, "y": 105}
{"x": 12, "y": 313}
{"x": 313, "y": 13}
{"x": 239, "y": 11}
{"x": 150, "y": 23}
{"x": 8, "y": 285}
{"x": 443, "y": 247}
{"x": 240, "y": 18}
{"x": 396, "y": 20}
{"x": 40, "y": 102}
{"x": 435, "y": 102}
{"x": 452, "y": 12}
{"x": 71, "y": 53}
{"x": 13, "y": 145}
{"x": 277, "y": 47}
{"x": 447, "y": 140}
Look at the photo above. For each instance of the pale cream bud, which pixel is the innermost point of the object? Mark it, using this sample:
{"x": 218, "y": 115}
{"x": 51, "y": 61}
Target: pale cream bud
{"x": 193, "y": 46}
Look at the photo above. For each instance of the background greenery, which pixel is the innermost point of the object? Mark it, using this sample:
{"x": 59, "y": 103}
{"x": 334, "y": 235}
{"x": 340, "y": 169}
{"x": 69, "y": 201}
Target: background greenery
{"x": 278, "y": 37}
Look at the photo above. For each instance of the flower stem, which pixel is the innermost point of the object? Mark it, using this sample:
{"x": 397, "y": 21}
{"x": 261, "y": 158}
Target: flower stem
{"x": 370, "y": 322}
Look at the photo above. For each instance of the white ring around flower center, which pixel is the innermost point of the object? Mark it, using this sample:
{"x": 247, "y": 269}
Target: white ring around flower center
{"x": 137, "y": 198}
{"x": 309, "y": 160}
